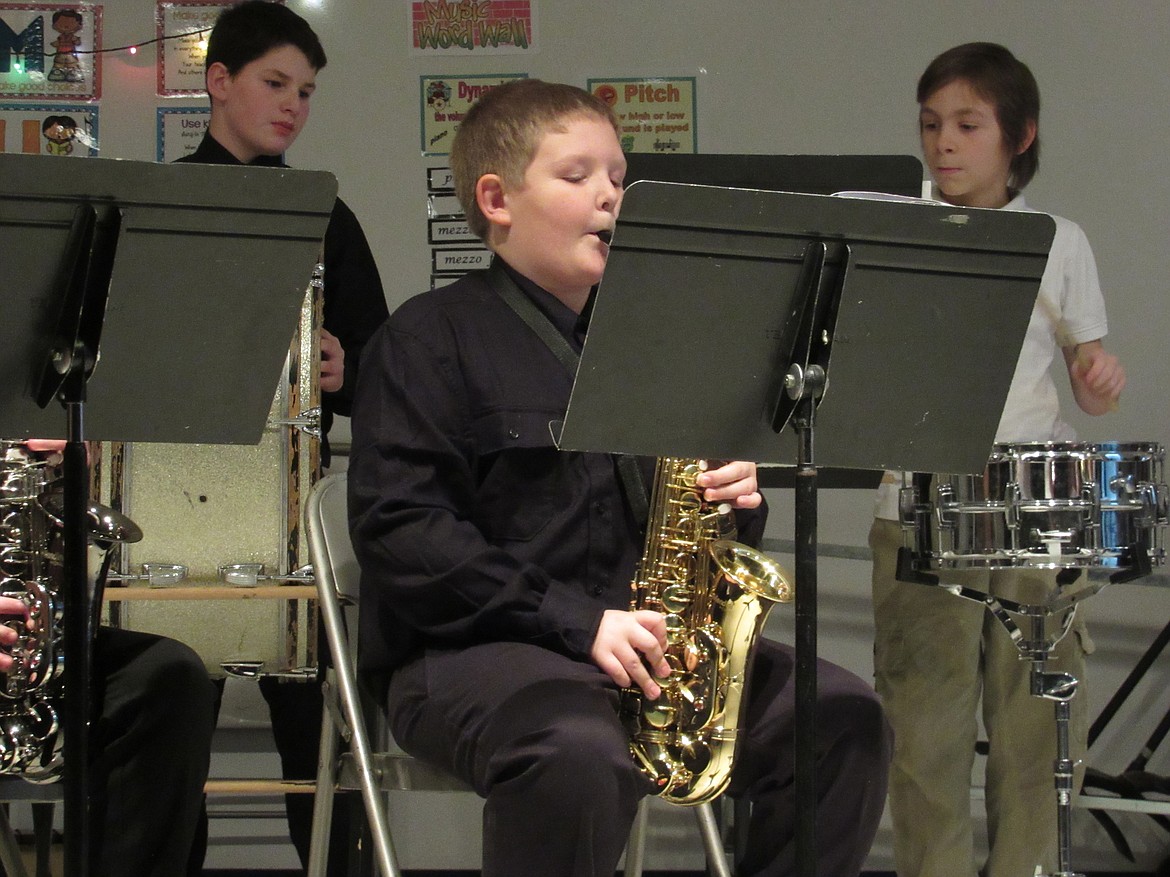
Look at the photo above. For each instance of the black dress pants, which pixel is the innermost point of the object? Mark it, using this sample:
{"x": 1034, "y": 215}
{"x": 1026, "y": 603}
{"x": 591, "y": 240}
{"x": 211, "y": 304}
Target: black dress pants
{"x": 150, "y": 748}
{"x": 538, "y": 736}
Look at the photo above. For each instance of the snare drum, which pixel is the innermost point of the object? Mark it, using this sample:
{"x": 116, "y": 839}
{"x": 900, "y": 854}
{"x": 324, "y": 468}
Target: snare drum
{"x": 1045, "y": 505}
{"x": 1133, "y": 500}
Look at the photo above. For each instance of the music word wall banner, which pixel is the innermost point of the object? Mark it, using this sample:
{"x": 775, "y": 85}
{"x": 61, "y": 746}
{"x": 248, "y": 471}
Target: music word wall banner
{"x": 478, "y": 27}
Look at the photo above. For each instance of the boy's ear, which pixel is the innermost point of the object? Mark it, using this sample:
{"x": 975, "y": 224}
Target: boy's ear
{"x": 1029, "y": 138}
{"x": 490, "y": 198}
{"x": 217, "y": 78}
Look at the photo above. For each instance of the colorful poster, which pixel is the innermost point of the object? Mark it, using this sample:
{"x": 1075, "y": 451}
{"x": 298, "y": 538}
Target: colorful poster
{"x": 180, "y": 130}
{"x": 482, "y": 27}
{"x": 50, "y": 50}
{"x": 49, "y": 129}
{"x": 656, "y": 115}
{"x": 444, "y": 101}
{"x": 183, "y": 26}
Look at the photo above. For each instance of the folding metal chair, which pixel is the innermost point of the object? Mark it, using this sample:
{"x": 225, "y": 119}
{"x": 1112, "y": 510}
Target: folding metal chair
{"x": 43, "y": 798}
{"x": 335, "y": 569}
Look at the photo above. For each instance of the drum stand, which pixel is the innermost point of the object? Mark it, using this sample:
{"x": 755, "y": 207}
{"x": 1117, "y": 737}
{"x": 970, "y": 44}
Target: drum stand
{"x": 1060, "y": 688}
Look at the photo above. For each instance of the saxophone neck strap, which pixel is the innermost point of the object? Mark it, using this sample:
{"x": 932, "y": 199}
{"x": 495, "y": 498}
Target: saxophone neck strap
{"x": 525, "y": 308}
{"x": 536, "y": 320}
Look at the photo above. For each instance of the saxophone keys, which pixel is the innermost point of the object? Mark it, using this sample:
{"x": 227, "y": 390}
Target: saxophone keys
{"x": 659, "y": 713}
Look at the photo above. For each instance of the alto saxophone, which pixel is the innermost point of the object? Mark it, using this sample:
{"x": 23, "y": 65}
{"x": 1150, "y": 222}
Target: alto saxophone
{"x": 715, "y": 595}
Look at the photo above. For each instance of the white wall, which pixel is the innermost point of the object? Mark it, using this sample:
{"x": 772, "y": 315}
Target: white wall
{"x": 815, "y": 77}
{"x": 835, "y": 76}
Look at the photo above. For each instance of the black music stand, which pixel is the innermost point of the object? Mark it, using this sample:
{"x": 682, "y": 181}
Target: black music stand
{"x": 175, "y": 277}
{"x": 730, "y": 306}
{"x": 808, "y": 174}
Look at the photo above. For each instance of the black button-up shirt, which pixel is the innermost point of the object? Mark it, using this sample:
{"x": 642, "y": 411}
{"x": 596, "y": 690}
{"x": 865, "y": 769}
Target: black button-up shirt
{"x": 470, "y": 525}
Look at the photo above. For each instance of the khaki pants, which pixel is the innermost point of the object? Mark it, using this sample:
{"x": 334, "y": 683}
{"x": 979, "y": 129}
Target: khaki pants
{"x": 938, "y": 658}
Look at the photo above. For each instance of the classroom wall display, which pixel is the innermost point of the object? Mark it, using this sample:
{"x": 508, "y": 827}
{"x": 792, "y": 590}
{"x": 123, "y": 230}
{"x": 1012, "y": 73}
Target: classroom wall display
{"x": 656, "y": 115}
{"x": 50, "y": 50}
{"x": 49, "y": 129}
{"x": 455, "y": 249}
{"x": 444, "y": 101}
{"x": 183, "y": 26}
{"x": 180, "y": 130}
{"x": 480, "y": 27}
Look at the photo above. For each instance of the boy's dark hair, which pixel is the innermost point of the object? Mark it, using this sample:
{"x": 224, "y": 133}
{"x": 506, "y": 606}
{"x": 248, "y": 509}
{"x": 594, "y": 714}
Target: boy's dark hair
{"x": 1006, "y": 83}
{"x": 248, "y": 30}
{"x": 503, "y": 128}
{"x": 63, "y": 121}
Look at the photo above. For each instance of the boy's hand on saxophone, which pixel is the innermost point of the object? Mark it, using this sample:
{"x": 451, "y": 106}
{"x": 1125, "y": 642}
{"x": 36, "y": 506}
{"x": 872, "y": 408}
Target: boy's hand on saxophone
{"x": 733, "y": 483}
{"x": 628, "y": 645}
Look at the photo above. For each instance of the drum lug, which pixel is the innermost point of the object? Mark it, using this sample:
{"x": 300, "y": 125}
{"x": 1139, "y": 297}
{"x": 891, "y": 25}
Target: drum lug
{"x": 154, "y": 574}
{"x": 251, "y": 574}
{"x": 909, "y": 508}
{"x": 304, "y": 575}
{"x": 1152, "y": 503}
{"x": 944, "y": 509}
{"x": 1011, "y": 505}
{"x": 1091, "y": 502}
{"x": 308, "y": 423}
{"x": 243, "y": 574}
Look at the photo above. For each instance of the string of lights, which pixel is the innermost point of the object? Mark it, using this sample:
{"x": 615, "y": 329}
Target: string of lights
{"x": 132, "y": 48}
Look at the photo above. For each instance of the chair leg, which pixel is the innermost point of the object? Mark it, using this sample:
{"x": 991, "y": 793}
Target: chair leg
{"x": 350, "y": 698}
{"x": 9, "y": 849}
{"x": 42, "y": 815}
{"x": 322, "y": 827}
{"x": 636, "y": 846}
{"x": 741, "y": 819}
{"x": 712, "y": 841}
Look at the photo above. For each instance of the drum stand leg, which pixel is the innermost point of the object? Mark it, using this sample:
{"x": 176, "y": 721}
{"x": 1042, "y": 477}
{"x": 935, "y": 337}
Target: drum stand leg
{"x": 1060, "y": 687}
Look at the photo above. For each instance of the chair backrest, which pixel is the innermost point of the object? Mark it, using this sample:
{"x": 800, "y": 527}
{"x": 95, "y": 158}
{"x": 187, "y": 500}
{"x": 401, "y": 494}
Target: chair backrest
{"x": 328, "y": 524}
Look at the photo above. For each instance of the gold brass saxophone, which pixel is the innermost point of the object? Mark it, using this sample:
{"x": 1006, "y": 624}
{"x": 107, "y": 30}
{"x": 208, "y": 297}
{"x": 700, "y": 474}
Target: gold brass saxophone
{"x": 715, "y": 594}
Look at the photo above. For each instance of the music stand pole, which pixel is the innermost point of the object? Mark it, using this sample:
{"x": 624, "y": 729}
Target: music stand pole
{"x": 70, "y": 358}
{"x": 805, "y": 532}
{"x": 78, "y": 637}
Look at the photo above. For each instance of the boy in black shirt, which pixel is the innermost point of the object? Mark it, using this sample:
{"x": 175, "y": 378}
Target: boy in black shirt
{"x": 261, "y": 71}
{"x": 496, "y": 569}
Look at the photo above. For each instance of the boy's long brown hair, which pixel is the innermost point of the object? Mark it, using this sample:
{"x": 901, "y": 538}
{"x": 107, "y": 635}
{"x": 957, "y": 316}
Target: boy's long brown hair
{"x": 502, "y": 131}
{"x": 1005, "y": 82}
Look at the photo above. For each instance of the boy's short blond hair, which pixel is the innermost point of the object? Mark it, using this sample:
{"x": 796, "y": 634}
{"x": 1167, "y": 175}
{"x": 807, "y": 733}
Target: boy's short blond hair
{"x": 502, "y": 130}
